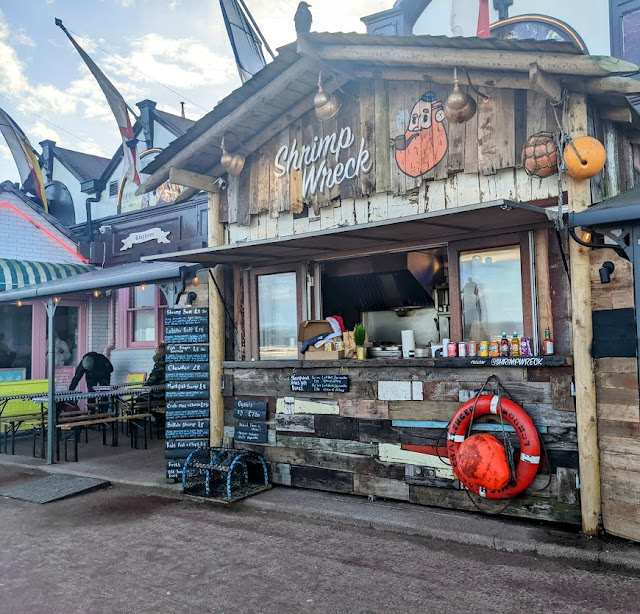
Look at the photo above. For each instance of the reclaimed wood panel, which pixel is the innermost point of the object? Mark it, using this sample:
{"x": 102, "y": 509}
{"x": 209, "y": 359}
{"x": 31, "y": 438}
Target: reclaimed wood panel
{"x": 328, "y": 445}
{"x": 521, "y": 507}
{"x": 383, "y": 151}
{"x": 367, "y": 132}
{"x": 293, "y": 423}
{"x": 356, "y": 463}
{"x": 392, "y": 453}
{"x": 361, "y": 408}
{"x": 380, "y": 487}
{"x": 316, "y": 478}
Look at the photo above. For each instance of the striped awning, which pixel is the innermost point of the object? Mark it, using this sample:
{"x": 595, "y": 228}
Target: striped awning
{"x": 19, "y": 273}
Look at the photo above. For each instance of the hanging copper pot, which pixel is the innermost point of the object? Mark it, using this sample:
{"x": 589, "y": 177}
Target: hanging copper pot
{"x": 326, "y": 106}
{"x": 459, "y": 107}
{"x": 233, "y": 163}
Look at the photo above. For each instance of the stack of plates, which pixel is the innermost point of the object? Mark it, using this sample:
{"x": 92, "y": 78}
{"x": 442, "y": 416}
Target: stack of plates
{"x": 382, "y": 352}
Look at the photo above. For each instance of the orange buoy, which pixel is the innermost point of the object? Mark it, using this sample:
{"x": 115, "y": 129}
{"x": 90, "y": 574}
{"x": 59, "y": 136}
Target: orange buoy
{"x": 593, "y": 157}
{"x": 514, "y": 415}
{"x": 483, "y": 460}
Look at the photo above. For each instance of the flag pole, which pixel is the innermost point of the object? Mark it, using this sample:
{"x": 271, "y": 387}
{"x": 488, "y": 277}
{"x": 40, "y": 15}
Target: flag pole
{"x": 255, "y": 25}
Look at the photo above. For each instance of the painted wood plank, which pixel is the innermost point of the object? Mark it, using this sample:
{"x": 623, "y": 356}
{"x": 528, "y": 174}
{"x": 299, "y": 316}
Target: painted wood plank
{"x": 471, "y": 141}
{"x": 232, "y": 199}
{"x": 378, "y": 431}
{"x": 329, "y": 445}
{"x": 295, "y": 176}
{"x": 357, "y": 463}
{"x": 265, "y": 170}
{"x": 252, "y": 166}
{"x": 380, "y": 487}
{"x": 393, "y": 453}
{"x": 422, "y": 410}
{"x": 505, "y": 130}
{"x": 317, "y": 478}
{"x": 400, "y": 391}
{"x": 362, "y": 408}
{"x": 293, "y": 423}
{"x": 304, "y": 406}
{"x": 398, "y": 124}
{"x": 479, "y": 426}
{"x": 383, "y": 151}
{"x": 367, "y": 132}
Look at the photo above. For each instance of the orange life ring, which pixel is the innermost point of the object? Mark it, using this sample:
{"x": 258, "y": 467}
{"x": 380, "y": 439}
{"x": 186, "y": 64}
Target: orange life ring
{"x": 525, "y": 430}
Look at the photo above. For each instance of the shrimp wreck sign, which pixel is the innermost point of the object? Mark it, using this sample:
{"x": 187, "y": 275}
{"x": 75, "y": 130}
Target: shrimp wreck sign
{"x": 325, "y": 162}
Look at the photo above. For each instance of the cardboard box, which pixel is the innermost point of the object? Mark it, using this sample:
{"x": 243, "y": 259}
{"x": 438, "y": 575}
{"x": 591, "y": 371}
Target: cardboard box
{"x": 312, "y": 328}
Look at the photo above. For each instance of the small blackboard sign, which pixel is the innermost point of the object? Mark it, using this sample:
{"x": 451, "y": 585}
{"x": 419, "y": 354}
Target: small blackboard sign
{"x": 250, "y": 410}
{"x": 186, "y": 376}
{"x": 320, "y": 383}
{"x": 252, "y": 427}
{"x": 186, "y": 338}
{"x": 187, "y": 386}
{"x": 183, "y": 367}
{"x": 187, "y": 406}
{"x": 186, "y": 330}
{"x": 187, "y": 319}
{"x": 181, "y": 311}
{"x": 174, "y": 474}
{"x": 192, "y": 444}
{"x": 187, "y": 353}
{"x": 175, "y": 464}
{"x": 186, "y": 414}
{"x": 250, "y": 437}
{"x": 187, "y": 424}
{"x": 186, "y": 433}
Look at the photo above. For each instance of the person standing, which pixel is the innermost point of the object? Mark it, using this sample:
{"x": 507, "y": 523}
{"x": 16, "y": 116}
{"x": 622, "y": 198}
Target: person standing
{"x": 156, "y": 377}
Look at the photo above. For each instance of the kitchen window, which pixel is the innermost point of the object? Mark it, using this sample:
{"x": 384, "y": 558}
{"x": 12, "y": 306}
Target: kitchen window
{"x": 491, "y": 288}
{"x": 278, "y": 300}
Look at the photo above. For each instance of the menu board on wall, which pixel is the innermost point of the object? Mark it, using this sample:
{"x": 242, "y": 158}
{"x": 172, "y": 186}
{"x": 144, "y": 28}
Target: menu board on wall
{"x": 187, "y": 373}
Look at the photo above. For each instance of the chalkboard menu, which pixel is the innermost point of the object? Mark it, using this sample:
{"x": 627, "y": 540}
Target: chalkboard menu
{"x": 320, "y": 383}
{"x": 187, "y": 373}
{"x": 247, "y": 414}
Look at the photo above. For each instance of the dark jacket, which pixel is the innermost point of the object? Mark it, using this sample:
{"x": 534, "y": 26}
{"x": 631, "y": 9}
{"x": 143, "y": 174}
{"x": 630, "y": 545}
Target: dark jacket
{"x": 99, "y": 375}
{"x": 157, "y": 375}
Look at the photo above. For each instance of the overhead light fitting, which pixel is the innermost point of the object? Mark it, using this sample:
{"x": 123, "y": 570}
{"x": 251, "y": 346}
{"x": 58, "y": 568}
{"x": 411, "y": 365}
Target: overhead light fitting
{"x": 606, "y": 270}
{"x": 233, "y": 163}
{"x": 191, "y": 299}
{"x": 460, "y": 107}
{"x": 326, "y": 106}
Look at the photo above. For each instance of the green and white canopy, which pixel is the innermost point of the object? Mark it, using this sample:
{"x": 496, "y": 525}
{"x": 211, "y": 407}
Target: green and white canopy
{"x": 20, "y": 273}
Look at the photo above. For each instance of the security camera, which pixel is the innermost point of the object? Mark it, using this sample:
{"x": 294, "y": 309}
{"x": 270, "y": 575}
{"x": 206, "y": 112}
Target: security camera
{"x": 222, "y": 183}
{"x": 104, "y": 229}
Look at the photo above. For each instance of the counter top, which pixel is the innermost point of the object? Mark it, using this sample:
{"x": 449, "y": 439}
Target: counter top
{"x": 434, "y": 363}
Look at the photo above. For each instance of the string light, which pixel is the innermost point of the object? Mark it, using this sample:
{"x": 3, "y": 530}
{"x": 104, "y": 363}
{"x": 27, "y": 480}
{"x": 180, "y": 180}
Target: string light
{"x": 56, "y": 299}
{"x": 20, "y": 303}
{"x": 96, "y": 293}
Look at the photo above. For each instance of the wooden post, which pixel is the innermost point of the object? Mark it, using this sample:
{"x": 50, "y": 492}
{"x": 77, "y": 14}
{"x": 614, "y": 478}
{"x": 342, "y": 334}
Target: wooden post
{"x": 216, "y": 328}
{"x": 543, "y": 283}
{"x": 582, "y": 328}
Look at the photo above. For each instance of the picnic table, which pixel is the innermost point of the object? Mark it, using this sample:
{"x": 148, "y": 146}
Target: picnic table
{"x": 122, "y": 405}
{"x": 11, "y": 423}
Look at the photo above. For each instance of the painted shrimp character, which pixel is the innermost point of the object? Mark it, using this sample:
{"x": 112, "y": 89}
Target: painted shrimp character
{"x": 425, "y": 142}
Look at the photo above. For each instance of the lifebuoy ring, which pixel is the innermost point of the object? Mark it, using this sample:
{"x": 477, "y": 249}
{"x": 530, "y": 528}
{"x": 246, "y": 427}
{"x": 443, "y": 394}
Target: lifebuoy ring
{"x": 525, "y": 430}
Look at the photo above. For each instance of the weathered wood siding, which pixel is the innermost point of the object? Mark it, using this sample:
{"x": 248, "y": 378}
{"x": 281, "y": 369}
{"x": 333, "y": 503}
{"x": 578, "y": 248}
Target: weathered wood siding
{"x": 359, "y": 449}
{"x": 481, "y": 163}
{"x": 618, "y": 406}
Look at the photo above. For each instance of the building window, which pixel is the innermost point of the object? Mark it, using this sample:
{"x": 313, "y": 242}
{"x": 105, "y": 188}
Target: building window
{"x": 492, "y": 288}
{"x": 491, "y": 293}
{"x": 277, "y": 302}
{"x": 144, "y": 309}
{"x": 15, "y": 340}
{"x": 277, "y": 316}
{"x": 625, "y": 30}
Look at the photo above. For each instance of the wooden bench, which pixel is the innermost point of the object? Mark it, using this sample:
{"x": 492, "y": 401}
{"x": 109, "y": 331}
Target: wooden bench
{"x": 11, "y": 424}
{"x": 73, "y": 428}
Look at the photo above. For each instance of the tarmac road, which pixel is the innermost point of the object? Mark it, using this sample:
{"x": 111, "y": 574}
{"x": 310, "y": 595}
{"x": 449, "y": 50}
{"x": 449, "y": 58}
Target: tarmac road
{"x": 119, "y": 550}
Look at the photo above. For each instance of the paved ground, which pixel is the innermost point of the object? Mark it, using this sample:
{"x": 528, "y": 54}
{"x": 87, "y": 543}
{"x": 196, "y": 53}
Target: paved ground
{"x": 121, "y": 550}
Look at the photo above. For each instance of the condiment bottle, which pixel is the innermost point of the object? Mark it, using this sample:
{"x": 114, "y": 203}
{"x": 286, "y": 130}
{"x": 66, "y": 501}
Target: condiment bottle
{"x": 515, "y": 345}
{"x": 547, "y": 344}
{"x": 505, "y": 346}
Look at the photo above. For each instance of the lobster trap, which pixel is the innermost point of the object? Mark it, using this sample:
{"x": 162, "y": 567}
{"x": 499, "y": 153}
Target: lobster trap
{"x": 224, "y": 474}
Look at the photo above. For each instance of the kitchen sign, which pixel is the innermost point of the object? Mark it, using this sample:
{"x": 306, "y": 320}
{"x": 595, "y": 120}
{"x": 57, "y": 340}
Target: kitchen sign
{"x": 320, "y": 161}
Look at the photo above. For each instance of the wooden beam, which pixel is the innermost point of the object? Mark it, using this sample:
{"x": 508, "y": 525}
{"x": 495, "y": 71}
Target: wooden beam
{"x": 543, "y": 282}
{"x": 617, "y": 114}
{"x": 545, "y": 84}
{"x": 239, "y": 114}
{"x": 216, "y": 328}
{"x": 519, "y": 61}
{"x": 193, "y": 180}
{"x": 604, "y": 85}
{"x": 579, "y": 194}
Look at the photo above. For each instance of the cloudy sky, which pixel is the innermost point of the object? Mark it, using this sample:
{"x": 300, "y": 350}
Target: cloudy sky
{"x": 49, "y": 92}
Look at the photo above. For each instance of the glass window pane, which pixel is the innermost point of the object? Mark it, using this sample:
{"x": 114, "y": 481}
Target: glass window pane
{"x": 631, "y": 37}
{"x": 278, "y": 316}
{"x": 15, "y": 337}
{"x": 144, "y": 296}
{"x": 144, "y": 325}
{"x": 491, "y": 283}
{"x": 66, "y": 337}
